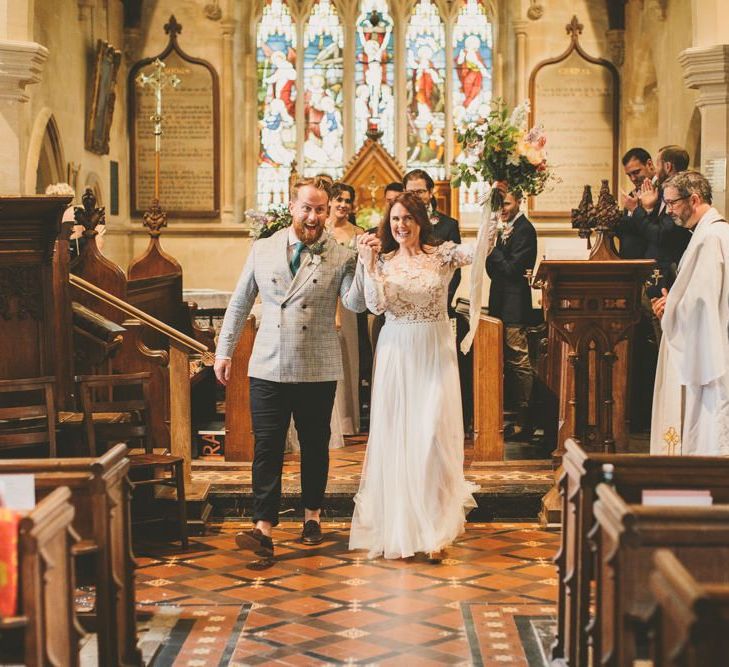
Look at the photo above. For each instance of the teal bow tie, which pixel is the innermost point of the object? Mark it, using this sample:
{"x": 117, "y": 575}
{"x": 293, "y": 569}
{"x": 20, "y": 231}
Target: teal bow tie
{"x": 295, "y": 262}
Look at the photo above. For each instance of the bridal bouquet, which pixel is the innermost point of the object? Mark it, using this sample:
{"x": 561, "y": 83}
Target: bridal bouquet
{"x": 500, "y": 150}
{"x": 270, "y": 221}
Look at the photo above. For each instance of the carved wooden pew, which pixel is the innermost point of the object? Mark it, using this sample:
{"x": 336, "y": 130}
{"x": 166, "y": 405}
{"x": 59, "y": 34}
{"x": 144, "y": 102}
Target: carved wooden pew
{"x": 488, "y": 390}
{"x": 100, "y": 497}
{"x": 626, "y": 537}
{"x": 238, "y": 423}
{"x": 691, "y": 625}
{"x": 45, "y": 631}
{"x": 581, "y": 474}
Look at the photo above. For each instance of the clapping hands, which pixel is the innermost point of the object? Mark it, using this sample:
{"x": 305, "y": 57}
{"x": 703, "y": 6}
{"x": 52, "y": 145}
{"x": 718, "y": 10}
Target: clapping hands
{"x": 368, "y": 246}
{"x": 648, "y": 195}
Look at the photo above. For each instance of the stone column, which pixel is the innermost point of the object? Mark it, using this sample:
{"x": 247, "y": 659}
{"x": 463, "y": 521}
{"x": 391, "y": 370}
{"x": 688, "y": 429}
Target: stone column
{"x": 227, "y": 181}
{"x": 707, "y": 70}
{"x": 21, "y": 63}
{"x": 522, "y": 77}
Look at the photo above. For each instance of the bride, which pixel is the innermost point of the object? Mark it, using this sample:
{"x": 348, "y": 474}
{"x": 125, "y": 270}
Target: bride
{"x": 412, "y": 496}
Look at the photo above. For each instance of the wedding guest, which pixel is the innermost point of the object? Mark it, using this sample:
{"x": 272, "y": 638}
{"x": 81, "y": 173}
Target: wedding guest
{"x": 345, "y": 233}
{"x": 392, "y": 190}
{"x": 638, "y": 166}
{"x": 296, "y": 361}
{"x": 665, "y": 240}
{"x": 412, "y": 496}
{"x": 445, "y": 228}
{"x": 510, "y": 300}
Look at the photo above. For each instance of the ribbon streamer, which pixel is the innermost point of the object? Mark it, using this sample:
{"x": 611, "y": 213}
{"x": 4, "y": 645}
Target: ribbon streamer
{"x": 484, "y": 245}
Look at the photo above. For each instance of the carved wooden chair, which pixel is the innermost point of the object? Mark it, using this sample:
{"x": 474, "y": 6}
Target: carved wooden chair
{"x": 28, "y": 415}
{"x": 111, "y": 394}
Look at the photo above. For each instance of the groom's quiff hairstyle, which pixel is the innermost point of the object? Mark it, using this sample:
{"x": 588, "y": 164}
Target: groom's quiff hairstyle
{"x": 317, "y": 182}
{"x": 416, "y": 208}
{"x": 688, "y": 183}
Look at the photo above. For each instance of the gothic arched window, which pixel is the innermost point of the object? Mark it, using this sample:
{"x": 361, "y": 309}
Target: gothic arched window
{"x": 357, "y": 62}
{"x": 426, "y": 100}
{"x": 374, "y": 72}
{"x": 276, "y": 90}
{"x": 323, "y": 91}
{"x": 472, "y": 78}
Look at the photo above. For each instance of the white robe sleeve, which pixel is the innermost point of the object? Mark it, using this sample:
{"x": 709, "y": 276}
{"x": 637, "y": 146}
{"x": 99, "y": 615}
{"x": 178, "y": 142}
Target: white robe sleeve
{"x": 692, "y": 322}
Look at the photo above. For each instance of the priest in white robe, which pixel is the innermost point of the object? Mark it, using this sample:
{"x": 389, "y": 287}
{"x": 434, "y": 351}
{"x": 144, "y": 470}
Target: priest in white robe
{"x": 691, "y": 398}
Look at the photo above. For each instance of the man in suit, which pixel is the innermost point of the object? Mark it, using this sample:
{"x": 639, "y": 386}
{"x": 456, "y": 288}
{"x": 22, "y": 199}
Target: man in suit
{"x": 665, "y": 240}
{"x": 296, "y": 361}
{"x": 444, "y": 227}
{"x": 510, "y": 300}
{"x": 638, "y": 166}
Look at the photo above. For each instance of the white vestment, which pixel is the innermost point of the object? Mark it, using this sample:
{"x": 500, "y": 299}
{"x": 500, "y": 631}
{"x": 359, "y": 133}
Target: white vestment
{"x": 691, "y": 397}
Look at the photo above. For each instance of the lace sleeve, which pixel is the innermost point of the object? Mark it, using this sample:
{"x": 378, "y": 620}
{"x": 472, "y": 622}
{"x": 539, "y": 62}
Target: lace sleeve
{"x": 455, "y": 255}
{"x": 374, "y": 289}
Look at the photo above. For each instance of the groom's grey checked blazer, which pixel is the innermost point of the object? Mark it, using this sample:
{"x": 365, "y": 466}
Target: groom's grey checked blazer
{"x": 296, "y": 340}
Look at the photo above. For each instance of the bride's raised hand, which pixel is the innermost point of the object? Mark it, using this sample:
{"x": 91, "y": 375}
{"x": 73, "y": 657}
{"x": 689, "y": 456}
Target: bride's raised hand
{"x": 367, "y": 250}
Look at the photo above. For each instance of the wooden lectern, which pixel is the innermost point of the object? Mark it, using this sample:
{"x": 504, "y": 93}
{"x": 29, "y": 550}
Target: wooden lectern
{"x": 591, "y": 307}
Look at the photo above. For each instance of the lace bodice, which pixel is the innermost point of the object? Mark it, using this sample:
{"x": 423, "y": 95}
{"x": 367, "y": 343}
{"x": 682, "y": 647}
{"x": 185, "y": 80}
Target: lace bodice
{"x": 415, "y": 288}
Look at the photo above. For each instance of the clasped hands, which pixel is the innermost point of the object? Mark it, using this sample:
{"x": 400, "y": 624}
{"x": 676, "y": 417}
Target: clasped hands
{"x": 659, "y": 304}
{"x": 647, "y": 196}
{"x": 369, "y": 246}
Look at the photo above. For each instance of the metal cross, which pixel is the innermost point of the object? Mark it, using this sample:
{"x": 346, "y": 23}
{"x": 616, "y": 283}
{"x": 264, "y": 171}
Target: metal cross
{"x": 157, "y": 81}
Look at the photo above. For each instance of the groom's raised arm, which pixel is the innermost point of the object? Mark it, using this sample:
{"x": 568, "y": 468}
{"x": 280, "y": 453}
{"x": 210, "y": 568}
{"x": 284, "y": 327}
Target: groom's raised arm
{"x": 238, "y": 309}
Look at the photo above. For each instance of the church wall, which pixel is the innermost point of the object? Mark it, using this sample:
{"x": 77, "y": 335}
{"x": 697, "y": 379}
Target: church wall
{"x": 658, "y": 107}
{"x": 70, "y": 33}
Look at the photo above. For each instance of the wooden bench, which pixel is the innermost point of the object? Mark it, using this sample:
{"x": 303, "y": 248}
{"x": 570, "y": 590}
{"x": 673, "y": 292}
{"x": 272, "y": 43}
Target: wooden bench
{"x": 44, "y": 632}
{"x": 100, "y": 496}
{"x": 581, "y": 473}
{"x": 691, "y": 625}
{"x": 626, "y": 539}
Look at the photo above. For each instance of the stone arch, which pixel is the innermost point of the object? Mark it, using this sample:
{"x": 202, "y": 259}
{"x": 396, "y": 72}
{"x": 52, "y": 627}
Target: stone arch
{"x": 693, "y": 139}
{"x": 45, "y": 163}
{"x": 93, "y": 181}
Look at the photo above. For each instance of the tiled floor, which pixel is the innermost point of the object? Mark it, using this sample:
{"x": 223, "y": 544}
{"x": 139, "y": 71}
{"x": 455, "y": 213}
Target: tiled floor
{"x": 346, "y": 465}
{"x": 490, "y": 602}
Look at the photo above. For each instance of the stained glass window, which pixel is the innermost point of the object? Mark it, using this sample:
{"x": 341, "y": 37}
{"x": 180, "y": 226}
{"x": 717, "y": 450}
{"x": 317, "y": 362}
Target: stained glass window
{"x": 426, "y": 72}
{"x": 472, "y": 68}
{"x": 374, "y": 73}
{"x": 276, "y": 69}
{"x": 323, "y": 92}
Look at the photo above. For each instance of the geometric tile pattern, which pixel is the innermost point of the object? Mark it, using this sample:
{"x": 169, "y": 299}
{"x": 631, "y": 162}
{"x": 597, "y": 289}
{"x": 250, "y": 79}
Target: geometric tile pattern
{"x": 327, "y": 605}
{"x": 345, "y": 469}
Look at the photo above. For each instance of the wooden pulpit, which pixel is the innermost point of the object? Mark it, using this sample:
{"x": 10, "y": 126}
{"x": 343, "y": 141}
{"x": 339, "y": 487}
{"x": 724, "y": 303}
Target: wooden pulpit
{"x": 591, "y": 307}
{"x": 35, "y": 322}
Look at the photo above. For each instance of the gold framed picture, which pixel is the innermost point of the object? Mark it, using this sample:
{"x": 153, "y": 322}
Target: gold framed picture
{"x": 102, "y": 98}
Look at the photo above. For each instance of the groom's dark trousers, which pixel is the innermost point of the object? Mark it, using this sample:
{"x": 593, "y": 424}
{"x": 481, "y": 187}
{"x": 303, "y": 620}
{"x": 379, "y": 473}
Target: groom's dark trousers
{"x": 272, "y": 405}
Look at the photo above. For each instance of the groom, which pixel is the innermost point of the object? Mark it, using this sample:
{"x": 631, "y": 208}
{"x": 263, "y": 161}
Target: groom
{"x": 298, "y": 272}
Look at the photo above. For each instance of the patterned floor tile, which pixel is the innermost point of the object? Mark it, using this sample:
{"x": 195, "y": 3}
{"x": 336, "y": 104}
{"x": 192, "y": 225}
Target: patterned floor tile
{"x": 326, "y": 605}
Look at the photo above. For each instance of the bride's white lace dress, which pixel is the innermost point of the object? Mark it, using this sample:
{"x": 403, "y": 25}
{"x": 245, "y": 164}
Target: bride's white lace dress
{"x": 413, "y": 496}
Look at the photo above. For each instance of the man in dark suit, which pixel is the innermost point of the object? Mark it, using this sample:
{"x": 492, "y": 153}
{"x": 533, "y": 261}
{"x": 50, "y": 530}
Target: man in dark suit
{"x": 639, "y": 168}
{"x": 444, "y": 227}
{"x": 665, "y": 240}
{"x": 510, "y": 300}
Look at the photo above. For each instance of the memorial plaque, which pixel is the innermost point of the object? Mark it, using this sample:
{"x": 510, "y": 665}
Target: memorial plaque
{"x": 575, "y": 98}
{"x": 189, "y": 164}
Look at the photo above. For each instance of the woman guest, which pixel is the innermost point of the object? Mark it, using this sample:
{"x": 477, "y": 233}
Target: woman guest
{"x": 413, "y": 496}
{"x": 341, "y": 206}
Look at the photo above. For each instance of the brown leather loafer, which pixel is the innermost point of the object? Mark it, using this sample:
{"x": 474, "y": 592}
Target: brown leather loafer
{"x": 255, "y": 541}
{"x": 312, "y": 533}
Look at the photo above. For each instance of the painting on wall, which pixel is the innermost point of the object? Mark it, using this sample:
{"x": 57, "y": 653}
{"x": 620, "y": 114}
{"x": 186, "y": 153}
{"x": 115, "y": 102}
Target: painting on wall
{"x": 102, "y": 98}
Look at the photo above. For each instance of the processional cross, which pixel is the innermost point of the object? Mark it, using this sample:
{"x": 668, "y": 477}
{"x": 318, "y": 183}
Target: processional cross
{"x": 158, "y": 80}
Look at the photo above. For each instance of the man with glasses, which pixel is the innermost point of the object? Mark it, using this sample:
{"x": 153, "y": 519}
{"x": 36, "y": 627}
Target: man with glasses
{"x": 691, "y": 401}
